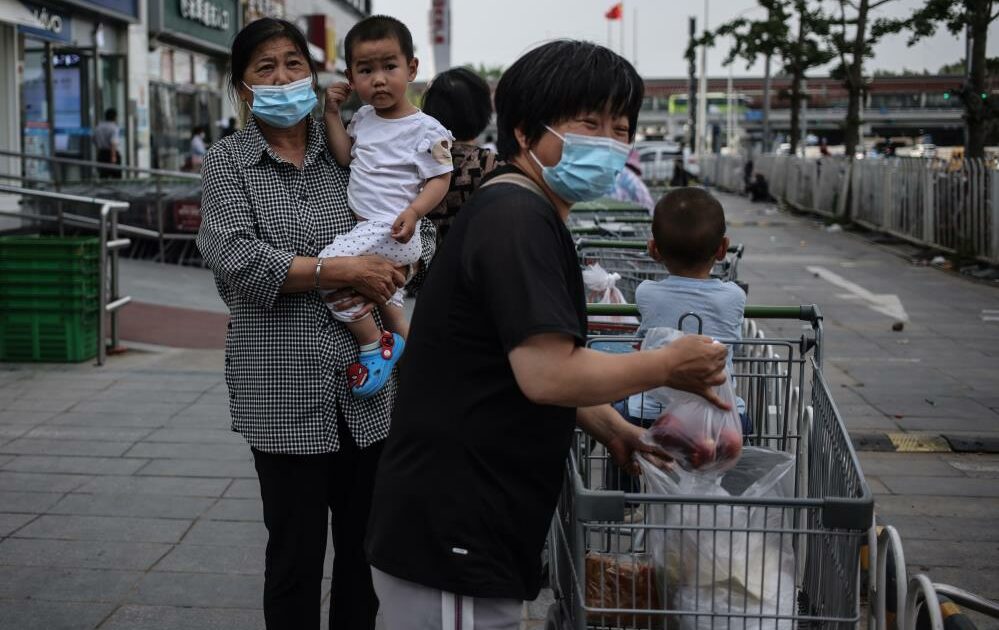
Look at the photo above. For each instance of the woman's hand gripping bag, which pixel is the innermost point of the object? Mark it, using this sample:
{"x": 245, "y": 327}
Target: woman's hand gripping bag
{"x": 699, "y": 436}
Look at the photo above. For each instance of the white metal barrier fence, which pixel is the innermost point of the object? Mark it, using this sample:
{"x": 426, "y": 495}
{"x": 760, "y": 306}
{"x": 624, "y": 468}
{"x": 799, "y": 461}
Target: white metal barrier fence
{"x": 951, "y": 206}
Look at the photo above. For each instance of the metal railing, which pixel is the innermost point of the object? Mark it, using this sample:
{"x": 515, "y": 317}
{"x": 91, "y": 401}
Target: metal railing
{"x": 158, "y": 179}
{"x": 949, "y": 206}
{"x": 108, "y": 300}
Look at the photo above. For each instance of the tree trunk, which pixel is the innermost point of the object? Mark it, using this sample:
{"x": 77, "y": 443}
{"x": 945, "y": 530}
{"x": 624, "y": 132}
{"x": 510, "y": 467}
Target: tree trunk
{"x": 855, "y": 82}
{"x": 974, "y": 106}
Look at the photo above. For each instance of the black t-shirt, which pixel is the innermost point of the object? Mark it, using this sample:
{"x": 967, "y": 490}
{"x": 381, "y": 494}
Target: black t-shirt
{"x": 471, "y": 471}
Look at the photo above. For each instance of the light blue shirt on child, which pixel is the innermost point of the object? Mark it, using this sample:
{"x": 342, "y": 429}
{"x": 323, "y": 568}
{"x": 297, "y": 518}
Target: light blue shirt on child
{"x": 662, "y": 303}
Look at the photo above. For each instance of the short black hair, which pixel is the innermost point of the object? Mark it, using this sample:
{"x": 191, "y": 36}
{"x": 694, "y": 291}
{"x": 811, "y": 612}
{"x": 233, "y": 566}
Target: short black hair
{"x": 252, "y": 36}
{"x": 110, "y": 114}
{"x": 559, "y": 80}
{"x": 688, "y": 226}
{"x": 460, "y": 100}
{"x": 377, "y": 27}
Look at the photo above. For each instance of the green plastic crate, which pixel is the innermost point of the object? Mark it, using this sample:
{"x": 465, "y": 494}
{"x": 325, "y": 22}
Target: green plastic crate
{"x": 49, "y": 247}
{"x": 48, "y": 282}
{"x": 51, "y": 337}
{"x": 64, "y": 255}
{"x": 49, "y": 303}
{"x": 48, "y": 266}
{"x": 83, "y": 288}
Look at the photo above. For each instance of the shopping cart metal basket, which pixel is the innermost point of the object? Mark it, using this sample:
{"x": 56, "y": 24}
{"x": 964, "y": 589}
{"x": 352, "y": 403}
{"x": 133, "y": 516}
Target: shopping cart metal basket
{"x": 630, "y": 259}
{"x": 602, "y": 565}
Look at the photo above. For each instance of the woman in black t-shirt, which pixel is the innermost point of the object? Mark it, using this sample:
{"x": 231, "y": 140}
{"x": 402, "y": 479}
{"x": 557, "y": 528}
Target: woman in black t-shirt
{"x": 496, "y": 376}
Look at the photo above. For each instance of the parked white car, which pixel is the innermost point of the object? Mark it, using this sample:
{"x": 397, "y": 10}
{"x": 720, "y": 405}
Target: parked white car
{"x": 657, "y": 158}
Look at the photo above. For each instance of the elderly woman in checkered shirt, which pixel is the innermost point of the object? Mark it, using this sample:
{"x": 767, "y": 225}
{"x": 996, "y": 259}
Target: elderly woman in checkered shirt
{"x": 272, "y": 196}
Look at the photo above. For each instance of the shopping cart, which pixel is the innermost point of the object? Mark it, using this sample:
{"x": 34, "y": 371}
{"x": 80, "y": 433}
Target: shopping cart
{"x": 630, "y": 259}
{"x": 603, "y": 568}
{"x": 610, "y": 217}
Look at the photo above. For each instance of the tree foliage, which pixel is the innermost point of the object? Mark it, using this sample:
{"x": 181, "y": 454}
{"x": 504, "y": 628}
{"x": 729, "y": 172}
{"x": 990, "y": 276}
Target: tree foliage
{"x": 795, "y": 32}
{"x": 959, "y": 16}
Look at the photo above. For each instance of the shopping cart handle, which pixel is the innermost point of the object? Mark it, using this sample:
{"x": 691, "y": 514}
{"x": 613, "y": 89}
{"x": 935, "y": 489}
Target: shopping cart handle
{"x": 607, "y": 243}
{"x": 805, "y": 312}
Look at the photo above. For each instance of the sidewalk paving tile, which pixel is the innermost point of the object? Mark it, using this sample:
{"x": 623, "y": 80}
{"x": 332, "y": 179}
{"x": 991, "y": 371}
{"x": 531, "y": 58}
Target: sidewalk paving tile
{"x": 81, "y": 465}
{"x": 10, "y": 523}
{"x": 129, "y": 407}
{"x": 223, "y": 559}
{"x": 36, "y": 482}
{"x": 105, "y": 528}
{"x": 937, "y": 505}
{"x": 196, "y": 436}
{"x": 109, "y": 420}
{"x": 195, "y": 385}
{"x": 25, "y": 417}
{"x": 34, "y": 446}
{"x": 236, "y": 510}
{"x": 981, "y": 529}
{"x": 137, "y": 505}
{"x": 118, "y": 394}
{"x": 39, "y": 404}
{"x": 27, "y": 502}
{"x": 234, "y": 533}
{"x": 948, "y": 424}
{"x": 99, "y": 434}
{"x": 171, "y": 450}
{"x": 32, "y": 615}
{"x": 88, "y": 554}
{"x": 966, "y": 487}
{"x": 243, "y": 489}
{"x": 929, "y": 464}
{"x": 199, "y": 468}
{"x": 199, "y": 590}
{"x": 172, "y": 486}
{"x": 66, "y": 585}
{"x": 131, "y": 617}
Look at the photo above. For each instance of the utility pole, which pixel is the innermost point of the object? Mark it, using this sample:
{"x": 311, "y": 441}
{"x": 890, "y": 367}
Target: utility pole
{"x": 702, "y": 96}
{"x": 766, "y": 98}
{"x": 692, "y": 92}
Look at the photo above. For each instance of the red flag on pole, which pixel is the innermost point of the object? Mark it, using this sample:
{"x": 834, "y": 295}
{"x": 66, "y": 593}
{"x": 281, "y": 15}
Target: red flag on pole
{"x": 616, "y": 12}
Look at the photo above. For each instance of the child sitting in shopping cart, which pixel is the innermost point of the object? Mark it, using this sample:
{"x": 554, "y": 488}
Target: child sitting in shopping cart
{"x": 688, "y": 236}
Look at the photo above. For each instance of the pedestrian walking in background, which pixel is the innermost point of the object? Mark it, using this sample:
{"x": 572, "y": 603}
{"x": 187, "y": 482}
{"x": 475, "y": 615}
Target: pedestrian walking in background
{"x": 496, "y": 376}
{"x": 107, "y": 142}
{"x": 629, "y": 185}
{"x": 272, "y": 195}
{"x": 681, "y": 177}
{"x": 198, "y": 149}
{"x": 461, "y": 101}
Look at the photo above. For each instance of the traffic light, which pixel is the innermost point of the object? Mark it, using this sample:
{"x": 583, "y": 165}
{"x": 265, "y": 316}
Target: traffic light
{"x": 946, "y": 95}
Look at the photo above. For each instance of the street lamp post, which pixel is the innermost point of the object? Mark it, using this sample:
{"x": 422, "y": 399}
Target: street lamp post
{"x": 702, "y": 94}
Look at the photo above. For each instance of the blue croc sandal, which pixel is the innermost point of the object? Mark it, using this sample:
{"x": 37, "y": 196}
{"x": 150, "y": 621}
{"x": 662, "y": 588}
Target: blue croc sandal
{"x": 374, "y": 367}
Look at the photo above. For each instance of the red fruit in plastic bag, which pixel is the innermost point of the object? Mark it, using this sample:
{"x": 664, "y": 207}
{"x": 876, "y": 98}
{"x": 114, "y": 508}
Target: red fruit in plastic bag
{"x": 729, "y": 445}
{"x": 684, "y": 441}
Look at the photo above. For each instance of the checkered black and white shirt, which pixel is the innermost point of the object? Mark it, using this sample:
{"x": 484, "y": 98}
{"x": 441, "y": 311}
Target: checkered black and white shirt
{"x": 285, "y": 355}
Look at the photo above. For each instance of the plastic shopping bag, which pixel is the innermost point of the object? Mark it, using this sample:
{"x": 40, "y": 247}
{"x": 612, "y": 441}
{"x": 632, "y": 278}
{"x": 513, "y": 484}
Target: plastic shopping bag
{"x": 718, "y": 559}
{"x": 698, "y": 435}
{"x": 601, "y": 289}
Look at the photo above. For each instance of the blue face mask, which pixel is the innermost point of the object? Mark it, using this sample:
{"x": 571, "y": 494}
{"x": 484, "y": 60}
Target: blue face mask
{"x": 283, "y": 105}
{"x": 588, "y": 167}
